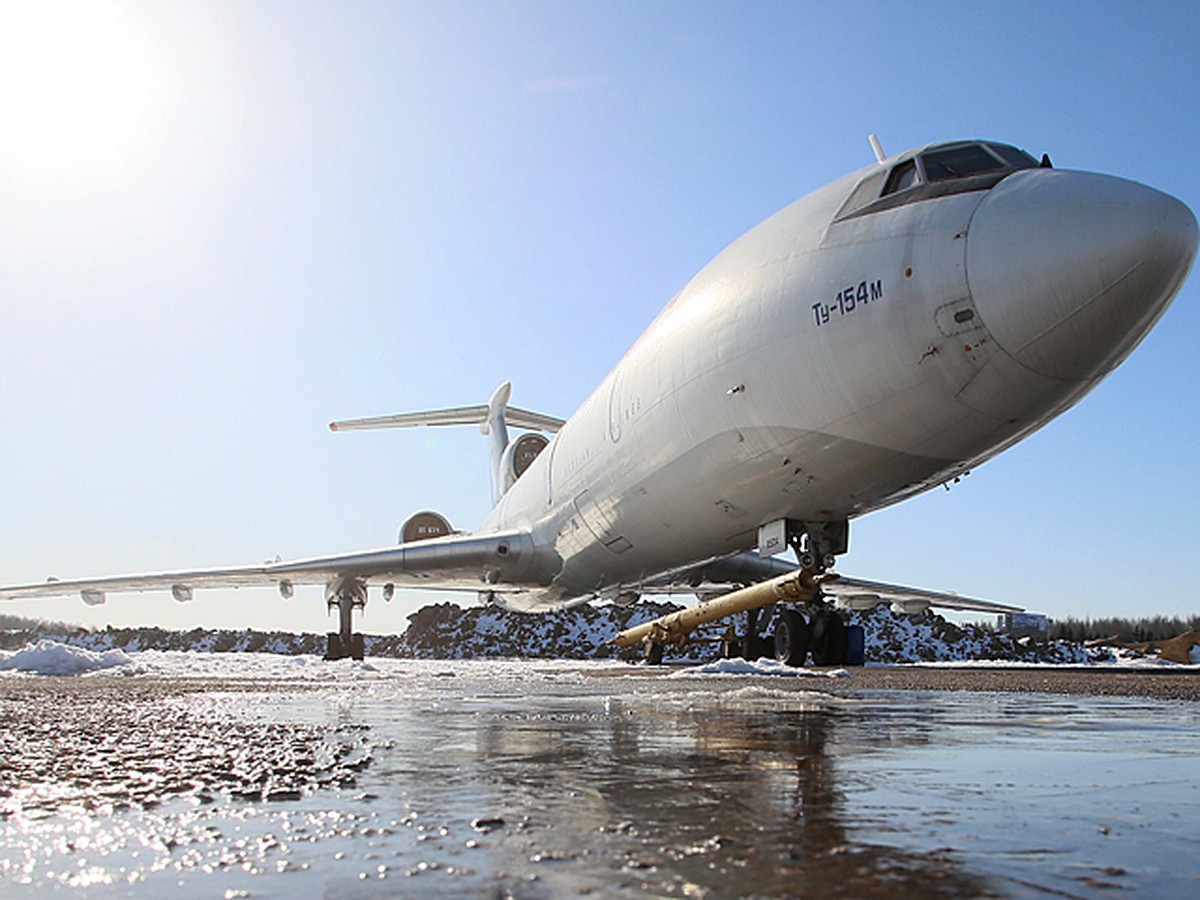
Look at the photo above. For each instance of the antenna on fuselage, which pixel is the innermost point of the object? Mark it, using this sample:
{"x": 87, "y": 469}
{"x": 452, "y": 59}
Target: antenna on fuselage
{"x": 877, "y": 147}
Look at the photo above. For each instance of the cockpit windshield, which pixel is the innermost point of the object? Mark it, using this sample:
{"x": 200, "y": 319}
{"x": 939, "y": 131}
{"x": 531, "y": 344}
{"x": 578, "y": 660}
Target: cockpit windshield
{"x": 1018, "y": 159}
{"x": 942, "y": 170}
{"x": 959, "y": 162}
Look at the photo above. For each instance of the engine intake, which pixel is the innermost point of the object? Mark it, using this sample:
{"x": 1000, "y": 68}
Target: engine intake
{"x": 519, "y": 456}
{"x": 424, "y": 526}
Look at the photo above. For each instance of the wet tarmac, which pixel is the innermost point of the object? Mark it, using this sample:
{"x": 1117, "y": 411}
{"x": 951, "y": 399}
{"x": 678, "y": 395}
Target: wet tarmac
{"x": 492, "y": 779}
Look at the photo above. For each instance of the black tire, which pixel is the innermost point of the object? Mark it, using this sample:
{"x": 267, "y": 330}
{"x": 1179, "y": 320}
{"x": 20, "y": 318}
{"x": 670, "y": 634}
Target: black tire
{"x": 731, "y": 649}
{"x": 357, "y": 647}
{"x": 828, "y": 639}
{"x": 791, "y": 638}
{"x": 333, "y": 646}
{"x": 654, "y": 653}
{"x": 753, "y": 648}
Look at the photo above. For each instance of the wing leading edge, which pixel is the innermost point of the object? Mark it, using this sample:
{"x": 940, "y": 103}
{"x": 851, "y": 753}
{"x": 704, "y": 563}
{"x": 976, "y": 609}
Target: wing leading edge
{"x": 857, "y": 593}
{"x": 470, "y": 562}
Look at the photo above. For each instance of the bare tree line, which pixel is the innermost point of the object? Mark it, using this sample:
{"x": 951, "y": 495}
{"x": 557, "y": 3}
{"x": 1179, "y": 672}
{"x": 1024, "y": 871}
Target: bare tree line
{"x": 1152, "y": 628}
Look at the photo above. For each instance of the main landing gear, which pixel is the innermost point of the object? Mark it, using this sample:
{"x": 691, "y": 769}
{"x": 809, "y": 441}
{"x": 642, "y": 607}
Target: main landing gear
{"x": 346, "y": 595}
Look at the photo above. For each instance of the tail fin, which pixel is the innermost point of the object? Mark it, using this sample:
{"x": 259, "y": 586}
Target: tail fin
{"x": 492, "y": 419}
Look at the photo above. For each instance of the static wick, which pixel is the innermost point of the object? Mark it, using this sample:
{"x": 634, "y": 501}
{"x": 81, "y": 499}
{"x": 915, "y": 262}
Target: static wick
{"x": 880, "y": 156}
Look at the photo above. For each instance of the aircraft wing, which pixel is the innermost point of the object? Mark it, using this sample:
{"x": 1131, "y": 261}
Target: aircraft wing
{"x": 468, "y": 562}
{"x": 716, "y": 576}
{"x": 857, "y": 593}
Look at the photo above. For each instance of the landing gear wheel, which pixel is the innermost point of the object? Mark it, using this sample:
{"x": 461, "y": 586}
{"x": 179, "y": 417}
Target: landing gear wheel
{"x": 654, "y": 653}
{"x": 754, "y": 648}
{"x": 828, "y": 639}
{"x": 753, "y": 645}
{"x": 791, "y": 638}
{"x": 333, "y": 646}
{"x": 731, "y": 649}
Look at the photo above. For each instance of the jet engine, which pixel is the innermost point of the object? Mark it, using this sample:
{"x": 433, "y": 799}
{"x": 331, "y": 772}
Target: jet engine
{"x": 423, "y": 526}
{"x": 519, "y": 456}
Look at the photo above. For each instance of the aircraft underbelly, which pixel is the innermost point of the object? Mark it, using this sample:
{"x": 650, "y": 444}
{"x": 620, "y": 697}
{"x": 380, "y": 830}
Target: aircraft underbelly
{"x": 709, "y": 502}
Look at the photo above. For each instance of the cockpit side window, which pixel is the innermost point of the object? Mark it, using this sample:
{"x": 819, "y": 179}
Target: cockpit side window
{"x": 959, "y": 162}
{"x": 865, "y": 192}
{"x": 903, "y": 177}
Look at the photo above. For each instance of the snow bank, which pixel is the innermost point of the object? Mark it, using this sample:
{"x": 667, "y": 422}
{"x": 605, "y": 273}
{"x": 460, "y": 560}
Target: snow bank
{"x": 53, "y": 658}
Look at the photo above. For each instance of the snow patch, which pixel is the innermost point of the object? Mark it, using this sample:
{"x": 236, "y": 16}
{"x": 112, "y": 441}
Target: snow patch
{"x": 52, "y": 658}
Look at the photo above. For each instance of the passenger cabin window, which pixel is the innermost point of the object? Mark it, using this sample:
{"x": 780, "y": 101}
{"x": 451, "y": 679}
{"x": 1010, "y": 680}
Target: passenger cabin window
{"x": 903, "y": 177}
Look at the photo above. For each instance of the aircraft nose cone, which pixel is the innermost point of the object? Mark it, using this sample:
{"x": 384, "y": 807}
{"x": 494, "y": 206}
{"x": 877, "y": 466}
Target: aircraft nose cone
{"x": 1069, "y": 270}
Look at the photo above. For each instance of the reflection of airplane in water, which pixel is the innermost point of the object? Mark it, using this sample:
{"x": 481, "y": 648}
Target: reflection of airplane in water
{"x": 876, "y": 338}
{"x": 740, "y": 795}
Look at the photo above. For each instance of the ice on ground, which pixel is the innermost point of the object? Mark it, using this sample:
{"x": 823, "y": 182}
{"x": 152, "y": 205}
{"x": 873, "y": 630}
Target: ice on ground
{"x": 758, "y": 667}
{"x": 47, "y": 657}
{"x": 52, "y": 658}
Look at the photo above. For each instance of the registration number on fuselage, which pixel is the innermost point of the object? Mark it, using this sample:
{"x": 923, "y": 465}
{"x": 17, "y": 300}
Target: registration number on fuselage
{"x": 848, "y": 299}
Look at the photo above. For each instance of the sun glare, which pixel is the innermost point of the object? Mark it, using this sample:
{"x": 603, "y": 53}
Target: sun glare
{"x": 73, "y": 81}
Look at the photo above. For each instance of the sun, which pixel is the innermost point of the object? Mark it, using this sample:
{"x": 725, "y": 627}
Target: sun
{"x": 74, "y": 82}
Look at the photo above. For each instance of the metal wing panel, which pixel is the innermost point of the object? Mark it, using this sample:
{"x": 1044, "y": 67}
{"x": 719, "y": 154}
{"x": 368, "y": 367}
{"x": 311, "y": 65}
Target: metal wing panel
{"x": 849, "y": 590}
{"x": 499, "y": 561}
{"x": 750, "y": 568}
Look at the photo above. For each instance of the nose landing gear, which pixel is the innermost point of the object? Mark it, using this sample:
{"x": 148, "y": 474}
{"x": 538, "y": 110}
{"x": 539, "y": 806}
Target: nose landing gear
{"x": 823, "y": 633}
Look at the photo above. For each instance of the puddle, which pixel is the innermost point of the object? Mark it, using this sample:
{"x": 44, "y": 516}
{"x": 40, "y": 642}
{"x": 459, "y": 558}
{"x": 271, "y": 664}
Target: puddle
{"x": 557, "y": 779}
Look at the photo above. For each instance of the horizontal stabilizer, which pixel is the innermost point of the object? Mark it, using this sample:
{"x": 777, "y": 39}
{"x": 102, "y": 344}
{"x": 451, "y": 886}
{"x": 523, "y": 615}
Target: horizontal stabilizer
{"x": 459, "y": 415}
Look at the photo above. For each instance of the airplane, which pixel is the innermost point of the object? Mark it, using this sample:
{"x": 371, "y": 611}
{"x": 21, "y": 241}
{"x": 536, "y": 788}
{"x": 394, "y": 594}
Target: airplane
{"x": 881, "y": 336}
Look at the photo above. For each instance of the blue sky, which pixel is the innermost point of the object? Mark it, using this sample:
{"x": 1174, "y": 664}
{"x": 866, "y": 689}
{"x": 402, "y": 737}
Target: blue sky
{"x": 226, "y": 224}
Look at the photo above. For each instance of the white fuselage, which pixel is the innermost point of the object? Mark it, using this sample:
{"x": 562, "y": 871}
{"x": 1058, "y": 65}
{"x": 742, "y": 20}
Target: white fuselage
{"x": 824, "y": 366}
